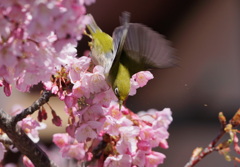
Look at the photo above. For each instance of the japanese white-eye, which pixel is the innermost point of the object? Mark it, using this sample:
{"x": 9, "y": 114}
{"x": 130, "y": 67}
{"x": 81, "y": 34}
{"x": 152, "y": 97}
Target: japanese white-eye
{"x": 132, "y": 48}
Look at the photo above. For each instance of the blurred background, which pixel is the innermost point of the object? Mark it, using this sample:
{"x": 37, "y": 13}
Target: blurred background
{"x": 206, "y": 36}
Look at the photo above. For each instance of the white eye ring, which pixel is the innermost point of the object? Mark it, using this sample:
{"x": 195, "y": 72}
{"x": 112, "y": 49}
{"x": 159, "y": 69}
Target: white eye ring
{"x": 116, "y": 91}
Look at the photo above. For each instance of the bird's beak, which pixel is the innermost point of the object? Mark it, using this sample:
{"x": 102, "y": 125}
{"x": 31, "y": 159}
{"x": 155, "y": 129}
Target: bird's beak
{"x": 120, "y": 104}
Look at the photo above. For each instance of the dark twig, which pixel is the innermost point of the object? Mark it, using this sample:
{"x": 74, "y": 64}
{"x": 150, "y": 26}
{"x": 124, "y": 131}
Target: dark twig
{"x": 209, "y": 149}
{"x": 24, "y": 144}
{"x": 34, "y": 107}
{"x": 225, "y": 128}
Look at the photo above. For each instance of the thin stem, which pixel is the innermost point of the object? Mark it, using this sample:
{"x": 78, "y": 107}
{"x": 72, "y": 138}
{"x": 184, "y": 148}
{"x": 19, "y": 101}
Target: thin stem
{"x": 209, "y": 149}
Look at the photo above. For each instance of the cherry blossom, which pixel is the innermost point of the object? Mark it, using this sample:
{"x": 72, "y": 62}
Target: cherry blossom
{"x": 35, "y": 36}
{"x": 38, "y": 44}
{"x": 118, "y": 161}
{"x": 31, "y": 127}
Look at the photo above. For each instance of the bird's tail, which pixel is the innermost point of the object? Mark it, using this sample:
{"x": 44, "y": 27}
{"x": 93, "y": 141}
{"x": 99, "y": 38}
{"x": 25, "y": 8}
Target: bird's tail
{"x": 92, "y": 26}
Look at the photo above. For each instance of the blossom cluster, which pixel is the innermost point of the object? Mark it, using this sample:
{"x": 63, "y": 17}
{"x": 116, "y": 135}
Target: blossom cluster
{"x": 97, "y": 131}
{"x": 35, "y": 36}
{"x": 122, "y": 139}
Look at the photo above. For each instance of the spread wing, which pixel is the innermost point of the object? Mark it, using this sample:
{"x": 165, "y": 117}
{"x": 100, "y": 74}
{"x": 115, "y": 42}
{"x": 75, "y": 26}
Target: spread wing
{"x": 120, "y": 34}
{"x": 145, "y": 46}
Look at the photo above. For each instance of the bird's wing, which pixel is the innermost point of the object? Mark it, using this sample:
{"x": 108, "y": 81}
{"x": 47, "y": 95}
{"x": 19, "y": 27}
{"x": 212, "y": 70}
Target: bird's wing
{"x": 120, "y": 34}
{"x": 145, "y": 46}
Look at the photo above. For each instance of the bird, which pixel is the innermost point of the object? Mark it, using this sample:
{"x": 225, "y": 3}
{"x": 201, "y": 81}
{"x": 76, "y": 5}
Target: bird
{"x": 133, "y": 47}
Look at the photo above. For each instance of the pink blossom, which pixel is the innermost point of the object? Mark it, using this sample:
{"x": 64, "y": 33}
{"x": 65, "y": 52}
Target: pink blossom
{"x": 92, "y": 113}
{"x": 139, "y": 158}
{"x": 55, "y": 89}
{"x": 97, "y": 125}
{"x": 114, "y": 112}
{"x": 2, "y": 151}
{"x": 7, "y": 88}
{"x": 235, "y": 141}
{"x": 10, "y": 165}
{"x": 61, "y": 139}
{"x": 22, "y": 85}
{"x": 70, "y": 129}
{"x": 48, "y": 85}
{"x": 70, "y": 101}
{"x": 42, "y": 17}
{"x": 159, "y": 136}
{"x": 146, "y": 133}
{"x": 118, "y": 161}
{"x": 105, "y": 98}
{"x": 16, "y": 109}
{"x": 164, "y": 118}
{"x": 67, "y": 51}
{"x": 7, "y": 28}
{"x": 142, "y": 77}
{"x": 27, "y": 162}
{"x": 8, "y": 55}
{"x": 89, "y": 2}
{"x": 154, "y": 159}
{"x": 97, "y": 81}
{"x": 74, "y": 151}
{"x": 134, "y": 87}
{"x": 159, "y": 122}
{"x": 55, "y": 156}
{"x": 128, "y": 141}
{"x": 84, "y": 132}
{"x": 17, "y": 14}
{"x": 164, "y": 144}
{"x": 28, "y": 123}
{"x": 112, "y": 125}
{"x": 138, "y": 80}
{"x": 31, "y": 127}
{"x": 77, "y": 66}
{"x": 73, "y": 15}
{"x": 144, "y": 145}
{"x": 79, "y": 90}
{"x": 36, "y": 37}
{"x": 69, "y": 147}
{"x": 60, "y": 45}
{"x": 154, "y": 137}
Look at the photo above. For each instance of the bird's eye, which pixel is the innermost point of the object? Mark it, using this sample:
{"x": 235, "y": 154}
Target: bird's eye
{"x": 116, "y": 91}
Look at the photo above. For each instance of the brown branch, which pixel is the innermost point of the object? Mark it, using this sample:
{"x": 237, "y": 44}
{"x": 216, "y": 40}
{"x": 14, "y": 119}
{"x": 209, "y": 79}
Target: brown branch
{"x": 209, "y": 149}
{"x": 212, "y": 146}
{"x": 5, "y": 140}
{"x": 35, "y": 106}
{"x": 20, "y": 140}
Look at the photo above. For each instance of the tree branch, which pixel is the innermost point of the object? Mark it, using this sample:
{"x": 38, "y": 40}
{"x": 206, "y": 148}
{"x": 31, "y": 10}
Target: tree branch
{"x": 20, "y": 140}
{"x": 210, "y": 148}
{"x": 35, "y": 106}
{"x": 5, "y": 139}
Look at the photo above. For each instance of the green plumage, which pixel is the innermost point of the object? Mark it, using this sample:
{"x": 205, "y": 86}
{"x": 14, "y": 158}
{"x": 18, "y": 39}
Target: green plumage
{"x": 133, "y": 48}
